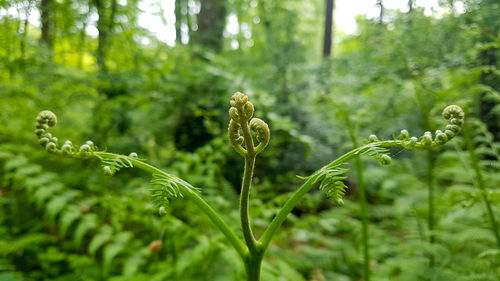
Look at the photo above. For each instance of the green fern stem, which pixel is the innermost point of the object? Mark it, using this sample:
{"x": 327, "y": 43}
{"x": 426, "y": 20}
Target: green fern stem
{"x": 364, "y": 203}
{"x": 253, "y": 263}
{"x": 481, "y": 185}
{"x": 430, "y": 186}
{"x": 313, "y": 180}
{"x": 316, "y": 177}
{"x": 194, "y": 197}
{"x": 245, "y": 189}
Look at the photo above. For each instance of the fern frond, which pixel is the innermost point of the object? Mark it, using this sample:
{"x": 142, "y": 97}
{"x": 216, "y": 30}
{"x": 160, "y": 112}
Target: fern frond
{"x": 332, "y": 184}
{"x": 165, "y": 187}
{"x": 377, "y": 152}
{"x": 113, "y": 165}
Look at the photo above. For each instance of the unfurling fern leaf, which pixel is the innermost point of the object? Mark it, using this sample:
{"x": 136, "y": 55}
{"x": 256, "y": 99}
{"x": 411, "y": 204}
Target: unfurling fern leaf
{"x": 332, "y": 184}
{"x": 112, "y": 165}
{"x": 165, "y": 187}
{"x": 378, "y": 153}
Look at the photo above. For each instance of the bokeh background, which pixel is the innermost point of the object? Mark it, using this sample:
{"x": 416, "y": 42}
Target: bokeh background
{"x": 156, "y": 77}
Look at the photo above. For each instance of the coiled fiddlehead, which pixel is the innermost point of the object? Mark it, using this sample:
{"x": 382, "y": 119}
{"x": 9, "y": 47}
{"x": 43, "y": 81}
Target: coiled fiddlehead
{"x": 331, "y": 177}
{"x": 241, "y": 113}
{"x": 164, "y": 186}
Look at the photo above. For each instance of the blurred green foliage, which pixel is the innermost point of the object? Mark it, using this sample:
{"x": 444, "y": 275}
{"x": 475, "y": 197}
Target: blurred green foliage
{"x": 60, "y": 220}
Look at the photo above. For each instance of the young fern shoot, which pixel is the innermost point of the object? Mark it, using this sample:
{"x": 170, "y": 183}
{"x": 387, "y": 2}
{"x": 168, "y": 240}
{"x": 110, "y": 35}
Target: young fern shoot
{"x": 242, "y": 129}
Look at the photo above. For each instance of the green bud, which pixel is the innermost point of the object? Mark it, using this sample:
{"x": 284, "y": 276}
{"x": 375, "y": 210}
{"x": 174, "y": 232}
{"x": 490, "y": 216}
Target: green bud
{"x": 385, "y": 159}
{"x": 456, "y": 121}
{"x": 51, "y": 147}
{"x": 441, "y": 137}
{"x": 66, "y": 148}
{"x": 340, "y": 202}
{"x": 404, "y": 135}
{"x": 108, "y": 170}
{"x": 449, "y": 134}
{"x": 248, "y": 109}
{"x": 162, "y": 211}
{"x": 39, "y": 132}
{"x": 84, "y": 150}
{"x": 233, "y": 113}
{"x": 43, "y": 141}
{"x": 427, "y": 139}
{"x": 454, "y": 128}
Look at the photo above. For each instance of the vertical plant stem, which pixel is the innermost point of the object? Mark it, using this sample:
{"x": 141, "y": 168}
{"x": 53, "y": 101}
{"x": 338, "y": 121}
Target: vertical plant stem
{"x": 363, "y": 201}
{"x": 244, "y": 201}
{"x": 430, "y": 201}
{"x": 364, "y": 219}
{"x": 480, "y": 184}
{"x": 424, "y": 112}
{"x": 253, "y": 265}
{"x": 246, "y": 185}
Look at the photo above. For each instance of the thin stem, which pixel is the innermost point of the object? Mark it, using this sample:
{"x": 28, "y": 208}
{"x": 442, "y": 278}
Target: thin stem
{"x": 195, "y": 197}
{"x": 430, "y": 201}
{"x": 480, "y": 183}
{"x": 246, "y": 185}
{"x": 310, "y": 182}
{"x": 244, "y": 200}
{"x": 364, "y": 218}
{"x": 363, "y": 201}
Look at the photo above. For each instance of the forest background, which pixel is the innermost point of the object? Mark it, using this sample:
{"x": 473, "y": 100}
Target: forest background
{"x": 319, "y": 90}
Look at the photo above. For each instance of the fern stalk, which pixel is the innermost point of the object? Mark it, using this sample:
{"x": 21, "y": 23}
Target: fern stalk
{"x": 194, "y": 197}
{"x": 424, "y": 112}
{"x": 363, "y": 201}
{"x": 481, "y": 185}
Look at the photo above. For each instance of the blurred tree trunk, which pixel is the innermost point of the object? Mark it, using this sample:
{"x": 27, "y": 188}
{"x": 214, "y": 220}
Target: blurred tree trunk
{"x": 83, "y": 35}
{"x": 211, "y": 22}
{"x": 46, "y": 18}
{"x": 105, "y": 26}
{"x": 24, "y": 35}
{"x": 178, "y": 20}
{"x": 381, "y": 13}
{"x": 327, "y": 38}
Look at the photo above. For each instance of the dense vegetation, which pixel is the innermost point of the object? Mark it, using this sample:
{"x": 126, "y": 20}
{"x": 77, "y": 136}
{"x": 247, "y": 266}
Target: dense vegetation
{"x": 430, "y": 215}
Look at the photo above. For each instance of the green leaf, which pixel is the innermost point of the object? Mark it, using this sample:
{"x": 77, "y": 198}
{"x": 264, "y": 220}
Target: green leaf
{"x": 68, "y": 218}
{"x": 100, "y": 239}
{"x": 57, "y": 204}
{"x": 86, "y": 224}
{"x": 44, "y": 193}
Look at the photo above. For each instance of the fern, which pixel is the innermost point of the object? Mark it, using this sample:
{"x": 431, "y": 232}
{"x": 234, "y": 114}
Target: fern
{"x": 332, "y": 184}
{"x": 249, "y": 136}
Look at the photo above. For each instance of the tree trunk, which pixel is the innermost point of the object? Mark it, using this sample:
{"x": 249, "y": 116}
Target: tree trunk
{"x": 381, "y": 14}
{"x": 211, "y": 22}
{"x": 105, "y": 27}
{"x": 46, "y": 18}
{"x": 178, "y": 20}
{"x": 327, "y": 39}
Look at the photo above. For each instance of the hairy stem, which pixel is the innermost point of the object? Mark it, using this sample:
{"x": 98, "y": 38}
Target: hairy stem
{"x": 244, "y": 201}
{"x": 253, "y": 264}
{"x": 246, "y": 185}
{"x": 195, "y": 197}
{"x": 481, "y": 185}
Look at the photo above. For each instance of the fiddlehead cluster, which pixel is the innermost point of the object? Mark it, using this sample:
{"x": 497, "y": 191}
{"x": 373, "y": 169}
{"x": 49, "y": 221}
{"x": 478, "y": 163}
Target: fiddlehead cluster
{"x": 164, "y": 186}
{"x": 331, "y": 176}
{"x": 241, "y": 113}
